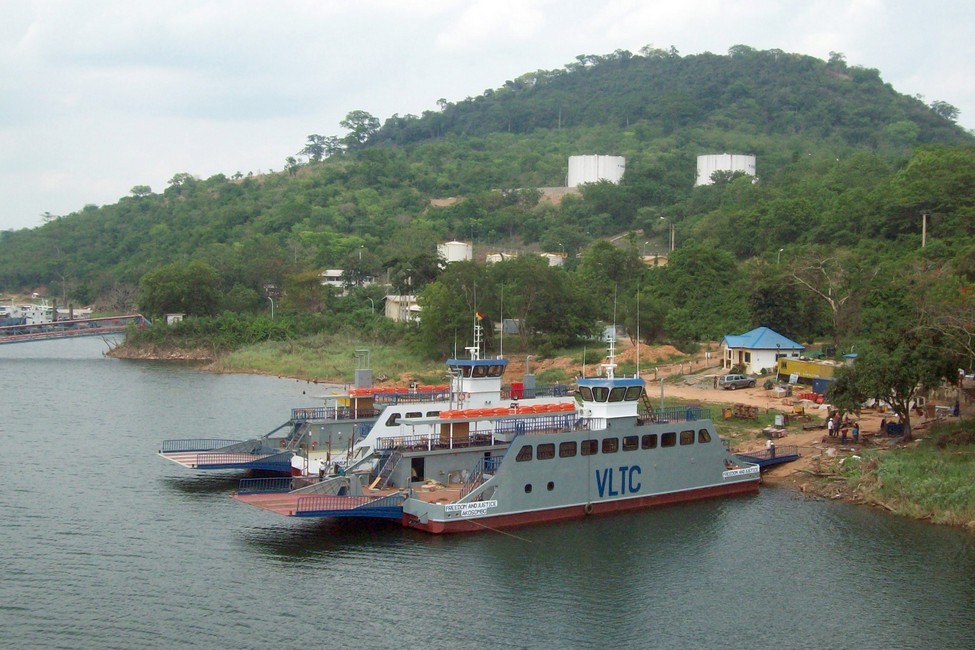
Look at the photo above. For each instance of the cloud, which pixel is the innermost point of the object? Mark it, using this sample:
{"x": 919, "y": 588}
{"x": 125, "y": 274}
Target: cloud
{"x": 487, "y": 22}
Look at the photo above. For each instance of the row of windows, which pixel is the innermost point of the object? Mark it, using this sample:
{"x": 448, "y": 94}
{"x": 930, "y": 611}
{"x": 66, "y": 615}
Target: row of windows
{"x": 607, "y": 394}
{"x": 492, "y": 370}
{"x": 394, "y": 419}
{"x": 568, "y": 449}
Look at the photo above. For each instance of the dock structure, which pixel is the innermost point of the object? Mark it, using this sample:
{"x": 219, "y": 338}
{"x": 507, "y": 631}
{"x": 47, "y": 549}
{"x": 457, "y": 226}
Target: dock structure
{"x": 768, "y": 457}
{"x": 62, "y": 329}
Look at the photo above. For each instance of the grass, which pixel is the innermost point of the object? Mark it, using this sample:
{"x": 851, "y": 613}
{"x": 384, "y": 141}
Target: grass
{"x": 329, "y": 358}
{"x": 922, "y": 481}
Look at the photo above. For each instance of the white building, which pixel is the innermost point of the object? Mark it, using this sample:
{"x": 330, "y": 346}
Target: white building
{"x": 595, "y": 168}
{"x": 723, "y": 162}
{"x": 402, "y": 308}
{"x": 759, "y": 349}
{"x": 455, "y": 251}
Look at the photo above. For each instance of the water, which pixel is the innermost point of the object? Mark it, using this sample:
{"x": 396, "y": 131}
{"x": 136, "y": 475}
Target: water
{"x": 105, "y": 545}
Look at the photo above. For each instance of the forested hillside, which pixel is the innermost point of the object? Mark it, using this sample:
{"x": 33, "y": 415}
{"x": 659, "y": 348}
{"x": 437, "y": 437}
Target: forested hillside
{"x": 846, "y": 167}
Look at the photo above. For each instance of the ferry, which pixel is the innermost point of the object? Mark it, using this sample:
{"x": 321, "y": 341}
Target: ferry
{"x": 491, "y": 463}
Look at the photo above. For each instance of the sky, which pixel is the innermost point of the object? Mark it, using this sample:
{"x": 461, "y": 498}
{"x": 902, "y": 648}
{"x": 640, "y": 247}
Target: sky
{"x": 99, "y": 96}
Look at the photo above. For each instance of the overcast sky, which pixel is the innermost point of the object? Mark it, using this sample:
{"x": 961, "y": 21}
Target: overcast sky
{"x": 98, "y": 96}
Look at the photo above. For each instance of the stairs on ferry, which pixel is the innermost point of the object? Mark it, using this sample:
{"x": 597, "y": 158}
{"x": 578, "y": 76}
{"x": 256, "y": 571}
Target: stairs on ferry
{"x": 383, "y": 479}
{"x": 648, "y": 412}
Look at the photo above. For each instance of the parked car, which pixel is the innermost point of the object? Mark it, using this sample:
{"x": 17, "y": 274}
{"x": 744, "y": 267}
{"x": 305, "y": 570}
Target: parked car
{"x": 732, "y": 382}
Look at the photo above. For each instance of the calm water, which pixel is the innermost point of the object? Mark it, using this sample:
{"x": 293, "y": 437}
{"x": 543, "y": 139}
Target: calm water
{"x": 105, "y": 545}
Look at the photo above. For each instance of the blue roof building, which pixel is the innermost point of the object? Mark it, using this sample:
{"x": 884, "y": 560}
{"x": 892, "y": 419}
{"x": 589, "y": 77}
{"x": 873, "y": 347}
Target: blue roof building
{"x": 757, "y": 350}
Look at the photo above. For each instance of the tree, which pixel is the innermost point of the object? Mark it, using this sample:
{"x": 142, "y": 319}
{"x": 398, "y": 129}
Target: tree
{"x": 140, "y": 191}
{"x": 894, "y": 371}
{"x": 361, "y": 125}
{"x": 190, "y": 289}
{"x": 314, "y": 148}
{"x": 945, "y": 110}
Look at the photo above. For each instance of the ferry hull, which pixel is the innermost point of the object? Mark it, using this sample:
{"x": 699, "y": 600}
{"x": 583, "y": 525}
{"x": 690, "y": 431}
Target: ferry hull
{"x": 526, "y": 518}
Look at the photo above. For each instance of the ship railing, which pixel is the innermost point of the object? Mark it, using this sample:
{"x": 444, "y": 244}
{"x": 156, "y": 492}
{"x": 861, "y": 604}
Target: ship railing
{"x": 332, "y": 413}
{"x": 541, "y": 390}
{"x": 484, "y": 466}
{"x": 196, "y": 444}
{"x": 555, "y": 423}
{"x": 320, "y": 502}
{"x": 268, "y": 485}
{"x": 680, "y": 414}
{"x": 429, "y": 442}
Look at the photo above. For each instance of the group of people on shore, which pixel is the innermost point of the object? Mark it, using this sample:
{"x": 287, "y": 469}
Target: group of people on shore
{"x": 842, "y": 427}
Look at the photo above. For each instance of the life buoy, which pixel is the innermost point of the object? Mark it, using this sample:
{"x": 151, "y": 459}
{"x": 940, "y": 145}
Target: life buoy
{"x": 462, "y": 397}
{"x": 587, "y": 509}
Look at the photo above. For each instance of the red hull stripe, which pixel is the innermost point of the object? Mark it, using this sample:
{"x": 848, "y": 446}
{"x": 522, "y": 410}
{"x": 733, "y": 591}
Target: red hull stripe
{"x": 578, "y": 511}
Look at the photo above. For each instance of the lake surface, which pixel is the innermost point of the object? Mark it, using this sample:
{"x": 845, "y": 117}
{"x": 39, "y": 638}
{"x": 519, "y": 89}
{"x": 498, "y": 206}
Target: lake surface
{"x": 105, "y": 545}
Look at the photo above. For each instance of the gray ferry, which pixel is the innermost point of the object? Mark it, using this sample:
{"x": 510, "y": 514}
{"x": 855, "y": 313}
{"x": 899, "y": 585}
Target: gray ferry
{"x": 492, "y": 461}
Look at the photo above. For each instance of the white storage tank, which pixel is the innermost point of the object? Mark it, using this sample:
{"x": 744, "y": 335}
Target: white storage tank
{"x": 591, "y": 169}
{"x": 723, "y": 162}
{"x": 455, "y": 251}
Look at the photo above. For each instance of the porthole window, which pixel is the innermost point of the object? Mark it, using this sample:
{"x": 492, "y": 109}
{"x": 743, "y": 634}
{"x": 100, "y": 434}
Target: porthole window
{"x": 528, "y": 488}
{"x": 551, "y": 486}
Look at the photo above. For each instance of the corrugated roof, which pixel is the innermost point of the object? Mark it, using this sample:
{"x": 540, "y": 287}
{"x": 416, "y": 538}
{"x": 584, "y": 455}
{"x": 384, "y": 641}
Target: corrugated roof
{"x": 761, "y": 338}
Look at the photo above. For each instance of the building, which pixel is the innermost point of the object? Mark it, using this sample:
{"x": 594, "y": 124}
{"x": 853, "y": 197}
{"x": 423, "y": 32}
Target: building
{"x": 333, "y": 278}
{"x": 455, "y": 251}
{"x": 402, "y": 309}
{"x": 723, "y": 162}
{"x": 757, "y": 350}
{"x": 595, "y": 168}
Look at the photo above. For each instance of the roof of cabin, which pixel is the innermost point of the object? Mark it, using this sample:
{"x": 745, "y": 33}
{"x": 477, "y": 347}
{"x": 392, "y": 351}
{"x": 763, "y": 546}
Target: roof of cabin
{"x": 761, "y": 338}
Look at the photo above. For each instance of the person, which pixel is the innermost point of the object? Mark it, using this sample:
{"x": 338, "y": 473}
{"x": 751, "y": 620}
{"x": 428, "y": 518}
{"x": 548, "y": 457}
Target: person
{"x": 831, "y": 426}
{"x": 843, "y": 431}
{"x": 856, "y": 432}
{"x": 715, "y": 381}
{"x": 770, "y": 447}
{"x": 321, "y": 471}
{"x": 883, "y": 426}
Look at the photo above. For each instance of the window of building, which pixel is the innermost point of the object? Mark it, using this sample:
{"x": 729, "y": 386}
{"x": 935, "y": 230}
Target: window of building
{"x": 748, "y": 357}
{"x": 631, "y": 443}
{"x": 567, "y": 449}
{"x": 703, "y": 436}
{"x": 611, "y": 445}
{"x": 687, "y": 437}
{"x": 588, "y": 448}
{"x": 649, "y": 441}
{"x": 668, "y": 439}
{"x": 545, "y": 451}
{"x": 525, "y": 453}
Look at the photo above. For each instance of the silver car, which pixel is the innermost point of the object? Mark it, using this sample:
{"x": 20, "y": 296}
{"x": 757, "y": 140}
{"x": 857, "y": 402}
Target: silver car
{"x": 732, "y": 382}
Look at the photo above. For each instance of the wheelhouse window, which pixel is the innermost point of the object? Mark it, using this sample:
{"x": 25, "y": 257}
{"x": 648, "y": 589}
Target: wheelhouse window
{"x": 588, "y": 448}
{"x": 567, "y": 449}
{"x": 524, "y": 454}
{"x": 600, "y": 393}
{"x": 586, "y": 393}
{"x": 496, "y": 371}
{"x": 546, "y": 451}
{"x": 633, "y": 393}
{"x": 703, "y": 436}
{"x": 611, "y": 445}
{"x": 616, "y": 395}
{"x": 631, "y": 443}
{"x": 687, "y": 437}
{"x": 649, "y": 441}
{"x": 668, "y": 439}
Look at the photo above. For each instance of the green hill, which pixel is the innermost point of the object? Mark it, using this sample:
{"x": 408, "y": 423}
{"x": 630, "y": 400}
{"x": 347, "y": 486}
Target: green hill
{"x": 836, "y": 150}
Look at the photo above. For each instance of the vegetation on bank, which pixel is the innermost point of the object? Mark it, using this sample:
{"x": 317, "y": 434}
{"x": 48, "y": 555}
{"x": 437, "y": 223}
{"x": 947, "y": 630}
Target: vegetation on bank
{"x": 930, "y": 479}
